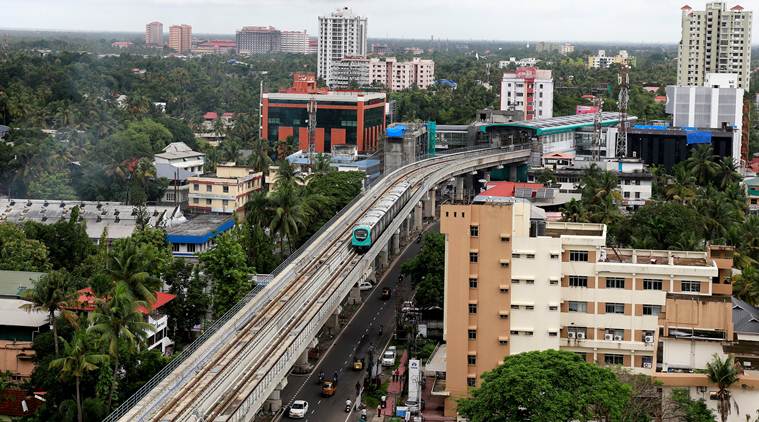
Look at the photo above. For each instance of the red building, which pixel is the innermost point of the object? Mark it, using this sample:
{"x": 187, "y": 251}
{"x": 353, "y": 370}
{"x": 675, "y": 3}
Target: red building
{"x": 342, "y": 117}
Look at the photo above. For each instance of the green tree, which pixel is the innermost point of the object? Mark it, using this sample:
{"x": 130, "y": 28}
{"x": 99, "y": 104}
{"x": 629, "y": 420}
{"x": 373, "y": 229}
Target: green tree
{"x": 689, "y": 410}
{"x": 746, "y": 286}
{"x": 190, "y": 305}
{"x": 226, "y": 267}
{"x": 702, "y": 164}
{"x": 67, "y": 241}
{"x": 291, "y": 213}
{"x": 546, "y": 386}
{"x": 18, "y": 253}
{"x": 78, "y": 359}
{"x": 426, "y": 270}
{"x": 723, "y": 373}
{"x": 120, "y": 326}
{"x": 51, "y": 293}
{"x": 125, "y": 266}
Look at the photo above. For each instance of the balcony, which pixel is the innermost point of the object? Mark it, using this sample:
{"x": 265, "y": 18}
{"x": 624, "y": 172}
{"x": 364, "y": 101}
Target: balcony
{"x": 636, "y": 346}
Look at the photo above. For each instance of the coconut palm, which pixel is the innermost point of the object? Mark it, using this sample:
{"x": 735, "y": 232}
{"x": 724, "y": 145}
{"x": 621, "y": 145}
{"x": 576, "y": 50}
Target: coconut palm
{"x": 77, "y": 360}
{"x": 290, "y": 215}
{"x": 724, "y": 374}
{"x": 123, "y": 267}
{"x": 574, "y": 211}
{"x": 50, "y": 294}
{"x": 681, "y": 187}
{"x": 701, "y": 164}
{"x": 321, "y": 164}
{"x": 727, "y": 173}
{"x": 259, "y": 157}
{"x": 258, "y": 211}
{"x": 287, "y": 175}
{"x": 119, "y": 324}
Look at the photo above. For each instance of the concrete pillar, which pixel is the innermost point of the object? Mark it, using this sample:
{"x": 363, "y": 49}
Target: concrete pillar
{"x": 302, "y": 365}
{"x": 458, "y": 191}
{"x": 407, "y": 227}
{"x": 384, "y": 258}
{"x": 354, "y": 296}
{"x": 513, "y": 173}
{"x": 274, "y": 402}
{"x": 428, "y": 203}
{"x": 396, "y": 242}
{"x": 333, "y": 322}
{"x": 418, "y": 223}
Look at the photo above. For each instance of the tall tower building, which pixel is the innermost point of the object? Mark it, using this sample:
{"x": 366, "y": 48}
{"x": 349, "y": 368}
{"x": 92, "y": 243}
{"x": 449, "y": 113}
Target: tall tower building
{"x": 341, "y": 34}
{"x": 715, "y": 40}
{"x": 180, "y": 38}
{"x": 154, "y": 34}
{"x": 259, "y": 40}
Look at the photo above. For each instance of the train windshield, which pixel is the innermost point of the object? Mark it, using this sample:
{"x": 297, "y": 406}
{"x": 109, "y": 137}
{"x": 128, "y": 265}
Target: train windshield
{"x": 360, "y": 234}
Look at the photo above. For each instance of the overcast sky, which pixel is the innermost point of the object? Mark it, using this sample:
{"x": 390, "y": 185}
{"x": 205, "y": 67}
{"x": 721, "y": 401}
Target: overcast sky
{"x": 571, "y": 20}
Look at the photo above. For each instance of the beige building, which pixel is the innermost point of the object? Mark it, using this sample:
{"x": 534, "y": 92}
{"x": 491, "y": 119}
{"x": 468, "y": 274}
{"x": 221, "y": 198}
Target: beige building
{"x": 515, "y": 282}
{"x": 17, "y": 326}
{"x": 180, "y": 38}
{"x": 224, "y": 192}
{"x": 382, "y": 71}
{"x": 154, "y": 34}
{"x": 715, "y": 40}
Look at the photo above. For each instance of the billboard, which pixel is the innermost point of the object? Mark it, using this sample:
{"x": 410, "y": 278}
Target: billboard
{"x": 583, "y": 109}
{"x": 527, "y": 72}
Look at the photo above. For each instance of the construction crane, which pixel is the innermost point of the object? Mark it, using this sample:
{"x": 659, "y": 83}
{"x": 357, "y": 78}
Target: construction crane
{"x": 624, "y": 99}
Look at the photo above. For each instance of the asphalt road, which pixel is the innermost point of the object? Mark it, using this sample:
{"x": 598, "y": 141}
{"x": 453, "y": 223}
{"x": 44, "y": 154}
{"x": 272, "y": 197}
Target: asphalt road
{"x": 361, "y": 332}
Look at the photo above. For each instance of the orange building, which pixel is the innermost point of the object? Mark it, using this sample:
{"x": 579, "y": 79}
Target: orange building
{"x": 342, "y": 117}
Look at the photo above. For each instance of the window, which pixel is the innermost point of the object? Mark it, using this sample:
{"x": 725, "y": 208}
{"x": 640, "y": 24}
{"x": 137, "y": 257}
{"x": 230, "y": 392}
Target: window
{"x": 553, "y": 282}
{"x": 470, "y": 381}
{"x": 471, "y": 360}
{"x": 190, "y": 247}
{"x": 578, "y": 281}
{"x": 552, "y": 334}
{"x": 196, "y": 186}
{"x": 474, "y": 231}
{"x": 514, "y": 306}
{"x": 209, "y": 188}
{"x": 530, "y": 281}
{"x": 472, "y": 308}
{"x": 472, "y": 256}
{"x": 651, "y": 309}
{"x": 528, "y": 333}
{"x": 581, "y": 256}
{"x": 611, "y": 359}
{"x": 554, "y": 256}
{"x": 195, "y": 200}
{"x": 615, "y": 308}
{"x": 529, "y": 307}
{"x": 208, "y": 202}
{"x": 626, "y": 194}
{"x": 530, "y": 256}
{"x": 225, "y": 189}
{"x": 553, "y": 308}
{"x": 615, "y": 283}
{"x": 649, "y": 284}
{"x": 514, "y": 332}
{"x": 175, "y": 247}
{"x": 516, "y": 255}
{"x": 690, "y": 286}
{"x": 577, "y": 307}
{"x": 472, "y": 334}
{"x": 472, "y": 283}
{"x": 637, "y": 195}
{"x": 225, "y": 202}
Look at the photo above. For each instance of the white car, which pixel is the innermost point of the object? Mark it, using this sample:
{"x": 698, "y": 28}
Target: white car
{"x": 365, "y": 285}
{"x": 388, "y": 358}
{"x": 298, "y": 410}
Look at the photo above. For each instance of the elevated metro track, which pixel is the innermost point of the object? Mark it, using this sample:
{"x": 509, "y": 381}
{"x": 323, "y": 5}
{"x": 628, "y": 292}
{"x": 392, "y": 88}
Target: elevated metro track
{"x": 232, "y": 370}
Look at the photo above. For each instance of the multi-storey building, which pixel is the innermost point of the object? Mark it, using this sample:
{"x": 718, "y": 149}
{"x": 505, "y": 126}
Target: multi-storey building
{"x": 295, "y": 42}
{"x": 715, "y": 40}
{"x": 258, "y": 40}
{"x": 602, "y": 61}
{"x": 176, "y": 163}
{"x": 529, "y": 90}
{"x": 387, "y": 72}
{"x": 515, "y": 282}
{"x": 342, "y": 118}
{"x": 154, "y": 34}
{"x": 180, "y": 38}
{"x": 341, "y": 34}
{"x": 226, "y": 191}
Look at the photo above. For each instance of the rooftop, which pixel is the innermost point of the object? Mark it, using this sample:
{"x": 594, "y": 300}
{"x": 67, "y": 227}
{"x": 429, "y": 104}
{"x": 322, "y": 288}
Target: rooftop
{"x": 200, "y": 229}
{"x": 87, "y": 301}
{"x": 13, "y": 283}
{"x": 561, "y": 124}
{"x": 656, "y": 257}
{"x": 337, "y": 96}
{"x": 745, "y": 317}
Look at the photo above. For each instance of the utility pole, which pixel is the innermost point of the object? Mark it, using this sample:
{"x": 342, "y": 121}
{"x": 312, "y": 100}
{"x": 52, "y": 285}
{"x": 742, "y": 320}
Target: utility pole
{"x": 624, "y": 99}
{"x": 260, "y": 109}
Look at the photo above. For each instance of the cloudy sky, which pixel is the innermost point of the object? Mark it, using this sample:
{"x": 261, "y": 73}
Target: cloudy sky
{"x": 571, "y": 20}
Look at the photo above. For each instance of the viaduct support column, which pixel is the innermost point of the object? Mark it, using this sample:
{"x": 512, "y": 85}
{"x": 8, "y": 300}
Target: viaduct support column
{"x": 384, "y": 257}
{"x": 418, "y": 223}
{"x": 513, "y": 172}
{"x": 458, "y": 190}
{"x": 429, "y": 204}
{"x": 333, "y": 322}
{"x": 274, "y": 402}
{"x": 301, "y": 365}
{"x": 396, "y": 242}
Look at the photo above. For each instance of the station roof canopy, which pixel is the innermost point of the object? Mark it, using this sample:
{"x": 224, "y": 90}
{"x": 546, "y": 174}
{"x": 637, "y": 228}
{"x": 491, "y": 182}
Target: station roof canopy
{"x": 561, "y": 124}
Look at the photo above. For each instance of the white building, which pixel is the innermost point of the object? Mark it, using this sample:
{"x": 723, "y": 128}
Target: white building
{"x": 602, "y": 61}
{"x": 526, "y": 62}
{"x": 341, "y": 34}
{"x": 176, "y": 163}
{"x": 384, "y": 71}
{"x": 294, "y": 42}
{"x": 529, "y": 90}
{"x": 567, "y": 48}
{"x": 715, "y": 40}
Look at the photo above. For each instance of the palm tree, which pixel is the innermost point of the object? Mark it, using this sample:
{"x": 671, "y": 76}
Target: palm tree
{"x": 258, "y": 210}
{"x": 727, "y": 173}
{"x": 118, "y": 323}
{"x": 681, "y": 187}
{"x": 290, "y": 215}
{"x": 259, "y": 157}
{"x": 77, "y": 360}
{"x": 321, "y": 164}
{"x": 287, "y": 175}
{"x": 123, "y": 267}
{"x": 702, "y": 165}
{"x": 50, "y": 294}
{"x": 574, "y": 212}
{"x": 724, "y": 374}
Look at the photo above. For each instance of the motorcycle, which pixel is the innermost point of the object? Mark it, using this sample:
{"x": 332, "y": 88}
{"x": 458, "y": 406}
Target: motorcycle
{"x": 321, "y": 378}
{"x": 348, "y": 406}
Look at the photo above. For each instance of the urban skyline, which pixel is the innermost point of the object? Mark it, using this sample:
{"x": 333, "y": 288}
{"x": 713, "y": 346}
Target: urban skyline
{"x": 226, "y": 16}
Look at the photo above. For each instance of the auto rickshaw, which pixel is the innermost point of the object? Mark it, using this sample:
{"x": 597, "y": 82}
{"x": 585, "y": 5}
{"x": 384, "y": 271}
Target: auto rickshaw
{"x": 358, "y": 364}
{"x": 329, "y": 388}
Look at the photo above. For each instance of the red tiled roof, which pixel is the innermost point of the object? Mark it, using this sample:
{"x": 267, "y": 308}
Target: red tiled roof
{"x": 228, "y": 114}
{"x": 507, "y": 189}
{"x": 660, "y": 99}
{"x": 686, "y": 7}
{"x": 87, "y": 300}
{"x": 737, "y": 7}
{"x": 10, "y": 403}
{"x": 565, "y": 155}
{"x": 211, "y": 115}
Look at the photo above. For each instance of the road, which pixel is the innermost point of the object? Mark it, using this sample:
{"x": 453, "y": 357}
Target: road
{"x": 360, "y": 332}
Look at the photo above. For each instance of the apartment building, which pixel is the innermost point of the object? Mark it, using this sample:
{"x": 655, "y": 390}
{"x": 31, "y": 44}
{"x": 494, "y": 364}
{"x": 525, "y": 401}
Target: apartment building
{"x": 341, "y": 34}
{"x": 714, "y": 40}
{"x": 180, "y": 38}
{"x": 258, "y": 40}
{"x": 515, "y": 282}
{"x": 154, "y": 34}
{"x": 294, "y": 42}
{"x": 530, "y": 91}
{"x": 385, "y": 71}
{"x": 225, "y": 191}
{"x": 176, "y": 163}
{"x": 602, "y": 61}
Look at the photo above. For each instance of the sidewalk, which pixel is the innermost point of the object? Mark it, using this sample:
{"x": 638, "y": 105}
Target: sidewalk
{"x": 395, "y": 388}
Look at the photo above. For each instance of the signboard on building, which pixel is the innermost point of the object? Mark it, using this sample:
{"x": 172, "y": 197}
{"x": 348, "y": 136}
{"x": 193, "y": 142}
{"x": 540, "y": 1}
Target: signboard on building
{"x": 526, "y": 72}
{"x": 583, "y": 109}
{"x": 414, "y": 382}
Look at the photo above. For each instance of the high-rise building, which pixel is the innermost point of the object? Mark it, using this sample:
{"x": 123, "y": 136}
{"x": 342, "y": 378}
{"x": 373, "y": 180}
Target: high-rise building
{"x": 180, "y": 38}
{"x": 515, "y": 282}
{"x": 259, "y": 40}
{"x": 387, "y": 72}
{"x": 529, "y": 90}
{"x": 341, "y": 34}
{"x": 154, "y": 34}
{"x": 295, "y": 42}
{"x": 715, "y": 40}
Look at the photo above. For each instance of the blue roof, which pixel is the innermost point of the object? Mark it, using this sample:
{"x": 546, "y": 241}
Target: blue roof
{"x": 197, "y": 232}
{"x": 396, "y": 131}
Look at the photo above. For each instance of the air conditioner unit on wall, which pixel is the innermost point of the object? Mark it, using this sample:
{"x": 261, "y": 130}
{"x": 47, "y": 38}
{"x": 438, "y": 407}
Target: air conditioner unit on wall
{"x": 648, "y": 339}
{"x": 617, "y": 338}
{"x": 581, "y": 336}
{"x": 647, "y": 365}
{"x": 609, "y": 337}
{"x": 571, "y": 334}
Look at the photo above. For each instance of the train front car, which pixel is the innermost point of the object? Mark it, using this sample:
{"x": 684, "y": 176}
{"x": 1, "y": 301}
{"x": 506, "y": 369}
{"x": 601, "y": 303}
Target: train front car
{"x": 362, "y": 238}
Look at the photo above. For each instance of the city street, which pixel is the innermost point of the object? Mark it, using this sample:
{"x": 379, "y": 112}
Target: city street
{"x": 361, "y": 332}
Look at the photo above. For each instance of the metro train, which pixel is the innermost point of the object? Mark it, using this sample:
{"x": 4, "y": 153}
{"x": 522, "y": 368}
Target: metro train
{"x": 374, "y": 222}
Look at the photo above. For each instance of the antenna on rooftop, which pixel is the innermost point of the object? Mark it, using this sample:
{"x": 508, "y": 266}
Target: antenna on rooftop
{"x": 311, "y": 108}
{"x": 624, "y": 98}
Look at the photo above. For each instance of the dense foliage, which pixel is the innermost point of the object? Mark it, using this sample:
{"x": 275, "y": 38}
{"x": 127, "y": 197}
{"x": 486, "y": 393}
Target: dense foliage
{"x": 426, "y": 270}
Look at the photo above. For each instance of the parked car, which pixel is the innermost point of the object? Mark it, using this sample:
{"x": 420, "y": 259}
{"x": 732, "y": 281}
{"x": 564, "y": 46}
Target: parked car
{"x": 388, "y": 358}
{"x": 385, "y": 293}
{"x": 365, "y": 285}
{"x": 298, "y": 410}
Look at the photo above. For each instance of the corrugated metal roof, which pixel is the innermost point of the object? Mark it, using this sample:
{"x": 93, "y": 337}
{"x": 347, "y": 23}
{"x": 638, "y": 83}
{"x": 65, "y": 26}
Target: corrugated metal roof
{"x": 13, "y": 283}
